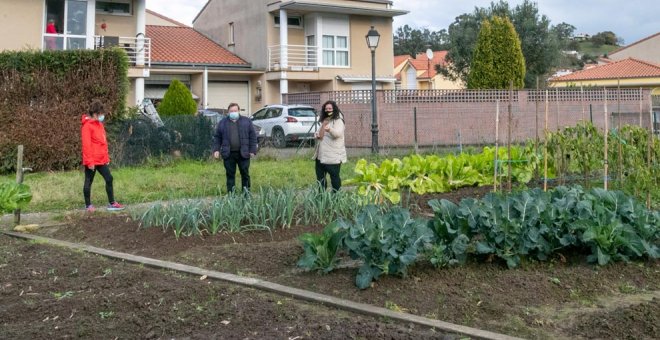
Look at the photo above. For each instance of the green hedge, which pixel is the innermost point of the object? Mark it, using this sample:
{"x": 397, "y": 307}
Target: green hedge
{"x": 43, "y": 95}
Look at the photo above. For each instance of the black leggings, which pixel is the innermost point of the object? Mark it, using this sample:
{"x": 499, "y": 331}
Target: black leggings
{"x": 328, "y": 169}
{"x": 104, "y": 170}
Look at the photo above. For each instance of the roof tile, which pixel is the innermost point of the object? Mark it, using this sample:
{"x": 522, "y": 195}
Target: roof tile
{"x": 622, "y": 69}
{"x": 172, "y": 44}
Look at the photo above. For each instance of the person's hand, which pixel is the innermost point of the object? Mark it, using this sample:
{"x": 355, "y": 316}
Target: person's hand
{"x": 317, "y": 135}
{"x": 252, "y": 155}
{"x": 91, "y": 167}
{"x": 326, "y": 128}
{"x": 216, "y": 154}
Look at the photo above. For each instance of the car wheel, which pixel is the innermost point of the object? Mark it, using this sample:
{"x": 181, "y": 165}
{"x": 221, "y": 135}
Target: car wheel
{"x": 279, "y": 140}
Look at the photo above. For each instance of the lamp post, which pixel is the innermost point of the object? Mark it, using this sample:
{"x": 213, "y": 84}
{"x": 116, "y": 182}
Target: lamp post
{"x": 372, "y": 41}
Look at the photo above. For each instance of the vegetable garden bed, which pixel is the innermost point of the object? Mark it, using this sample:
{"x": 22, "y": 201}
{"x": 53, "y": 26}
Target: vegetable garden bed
{"x": 562, "y": 298}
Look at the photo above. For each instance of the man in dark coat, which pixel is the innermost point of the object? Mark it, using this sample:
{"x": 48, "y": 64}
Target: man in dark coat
{"x": 236, "y": 141}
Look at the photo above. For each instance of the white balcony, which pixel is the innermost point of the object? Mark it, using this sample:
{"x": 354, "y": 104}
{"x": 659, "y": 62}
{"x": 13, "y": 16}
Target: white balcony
{"x": 299, "y": 58}
{"x": 138, "y": 49}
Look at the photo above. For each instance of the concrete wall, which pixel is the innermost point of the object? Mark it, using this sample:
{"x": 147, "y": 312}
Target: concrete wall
{"x": 22, "y": 23}
{"x": 648, "y": 50}
{"x": 250, "y": 20}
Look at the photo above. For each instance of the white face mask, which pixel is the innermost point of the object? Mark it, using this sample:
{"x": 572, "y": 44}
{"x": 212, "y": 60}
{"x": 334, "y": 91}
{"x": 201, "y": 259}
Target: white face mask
{"x": 233, "y": 115}
{"x": 101, "y": 118}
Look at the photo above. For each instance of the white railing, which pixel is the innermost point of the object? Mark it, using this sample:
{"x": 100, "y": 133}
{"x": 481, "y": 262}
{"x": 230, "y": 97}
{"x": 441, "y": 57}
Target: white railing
{"x": 138, "y": 49}
{"x": 299, "y": 58}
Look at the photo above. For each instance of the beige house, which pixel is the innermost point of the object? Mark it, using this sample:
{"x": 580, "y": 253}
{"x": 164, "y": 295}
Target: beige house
{"x": 303, "y": 46}
{"x": 80, "y": 24}
{"x": 647, "y": 49}
{"x": 215, "y": 76}
{"x": 419, "y": 73}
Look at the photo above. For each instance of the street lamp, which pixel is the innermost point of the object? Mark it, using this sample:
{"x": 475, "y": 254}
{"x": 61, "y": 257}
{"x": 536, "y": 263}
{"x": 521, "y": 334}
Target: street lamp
{"x": 372, "y": 41}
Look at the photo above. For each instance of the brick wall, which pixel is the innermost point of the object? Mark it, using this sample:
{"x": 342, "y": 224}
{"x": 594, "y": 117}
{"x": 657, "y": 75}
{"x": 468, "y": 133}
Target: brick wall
{"x": 447, "y": 117}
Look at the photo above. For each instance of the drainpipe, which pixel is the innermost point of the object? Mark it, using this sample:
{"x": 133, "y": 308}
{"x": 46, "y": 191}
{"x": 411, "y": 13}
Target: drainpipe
{"x": 91, "y": 24}
{"x": 205, "y": 87}
{"x": 140, "y": 28}
{"x": 284, "y": 50}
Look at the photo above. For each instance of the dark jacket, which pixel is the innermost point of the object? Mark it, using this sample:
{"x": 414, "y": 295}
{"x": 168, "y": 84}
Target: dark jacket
{"x": 246, "y": 134}
{"x": 94, "y": 143}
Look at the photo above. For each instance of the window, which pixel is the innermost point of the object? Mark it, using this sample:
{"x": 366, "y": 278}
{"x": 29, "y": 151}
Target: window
{"x": 335, "y": 50}
{"x": 66, "y": 25}
{"x": 291, "y": 21}
{"x": 274, "y": 112}
{"x": 311, "y": 51}
{"x": 261, "y": 114}
{"x": 114, "y": 7}
{"x": 231, "y": 33}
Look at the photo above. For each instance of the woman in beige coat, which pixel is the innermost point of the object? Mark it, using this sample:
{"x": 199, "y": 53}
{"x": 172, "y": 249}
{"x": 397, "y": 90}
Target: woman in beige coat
{"x": 330, "y": 149}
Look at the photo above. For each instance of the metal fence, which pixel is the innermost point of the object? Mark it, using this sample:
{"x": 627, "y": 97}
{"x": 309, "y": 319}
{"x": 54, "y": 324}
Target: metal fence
{"x": 441, "y": 118}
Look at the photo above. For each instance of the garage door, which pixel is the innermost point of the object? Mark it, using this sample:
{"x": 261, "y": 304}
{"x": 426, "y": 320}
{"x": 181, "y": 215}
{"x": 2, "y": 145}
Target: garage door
{"x": 221, "y": 93}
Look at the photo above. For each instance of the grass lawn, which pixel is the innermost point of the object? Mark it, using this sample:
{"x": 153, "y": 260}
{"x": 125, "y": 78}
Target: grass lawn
{"x": 54, "y": 191}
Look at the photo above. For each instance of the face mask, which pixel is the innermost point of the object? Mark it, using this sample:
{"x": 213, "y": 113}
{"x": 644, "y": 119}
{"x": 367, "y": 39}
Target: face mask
{"x": 233, "y": 115}
{"x": 101, "y": 118}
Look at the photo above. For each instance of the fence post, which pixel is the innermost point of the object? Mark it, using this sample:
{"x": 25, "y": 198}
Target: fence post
{"x": 19, "y": 180}
{"x": 497, "y": 139}
{"x": 509, "y": 134}
{"x": 415, "y": 127}
{"x": 606, "y": 137}
{"x": 545, "y": 147}
{"x": 649, "y": 148}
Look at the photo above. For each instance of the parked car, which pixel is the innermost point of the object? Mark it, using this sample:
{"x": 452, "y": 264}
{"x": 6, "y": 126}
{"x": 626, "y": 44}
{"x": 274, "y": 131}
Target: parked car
{"x": 286, "y": 123}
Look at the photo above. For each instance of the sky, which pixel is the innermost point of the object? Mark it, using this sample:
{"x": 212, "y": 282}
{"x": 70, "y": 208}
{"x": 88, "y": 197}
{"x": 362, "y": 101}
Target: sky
{"x": 633, "y": 21}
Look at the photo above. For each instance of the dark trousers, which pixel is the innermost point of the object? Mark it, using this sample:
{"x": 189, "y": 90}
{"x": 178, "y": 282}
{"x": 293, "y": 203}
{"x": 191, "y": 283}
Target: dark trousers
{"x": 104, "y": 170}
{"x": 234, "y": 159}
{"x": 328, "y": 169}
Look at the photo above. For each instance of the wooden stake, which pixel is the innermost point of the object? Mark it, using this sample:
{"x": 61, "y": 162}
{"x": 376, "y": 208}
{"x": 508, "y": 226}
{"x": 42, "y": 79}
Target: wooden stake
{"x": 497, "y": 140}
{"x": 19, "y": 180}
{"x": 649, "y": 148}
{"x": 606, "y": 137}
{"x": 545, "y": 148}
{"x": 620, "y": 155}
{"x": 509, "y": 134}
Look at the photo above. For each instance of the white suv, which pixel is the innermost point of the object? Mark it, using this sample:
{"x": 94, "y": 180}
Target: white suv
{"x": 286, "y": 123}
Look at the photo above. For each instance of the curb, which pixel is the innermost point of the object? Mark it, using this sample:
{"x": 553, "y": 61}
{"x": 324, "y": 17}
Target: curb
{"x": 276, "y": 288}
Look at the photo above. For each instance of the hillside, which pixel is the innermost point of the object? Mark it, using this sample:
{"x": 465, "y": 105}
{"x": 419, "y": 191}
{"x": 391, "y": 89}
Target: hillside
{"x": 587, "y": 47}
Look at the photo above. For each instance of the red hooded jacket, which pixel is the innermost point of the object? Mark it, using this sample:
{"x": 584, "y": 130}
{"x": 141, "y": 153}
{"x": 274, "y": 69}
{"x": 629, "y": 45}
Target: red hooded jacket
{"x": 94, "y": 143}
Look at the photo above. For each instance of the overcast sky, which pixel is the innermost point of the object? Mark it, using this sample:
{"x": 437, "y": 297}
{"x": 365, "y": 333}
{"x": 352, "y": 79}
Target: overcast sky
{"x": 634, "y": 20}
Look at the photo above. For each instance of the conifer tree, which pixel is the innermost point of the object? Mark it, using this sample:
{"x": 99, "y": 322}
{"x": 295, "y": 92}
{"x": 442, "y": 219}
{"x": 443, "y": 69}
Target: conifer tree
{"x": 498, "y": 57}
{"x": 177, "y": 100}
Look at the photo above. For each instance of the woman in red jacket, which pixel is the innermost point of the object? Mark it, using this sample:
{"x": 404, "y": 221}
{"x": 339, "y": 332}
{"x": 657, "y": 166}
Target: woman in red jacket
{"x": 95, "y": 155}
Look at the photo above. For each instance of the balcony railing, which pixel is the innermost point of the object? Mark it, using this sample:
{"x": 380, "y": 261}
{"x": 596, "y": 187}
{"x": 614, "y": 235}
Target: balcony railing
{"x": 138, "y": 49}
{"x": 299, "y": 58}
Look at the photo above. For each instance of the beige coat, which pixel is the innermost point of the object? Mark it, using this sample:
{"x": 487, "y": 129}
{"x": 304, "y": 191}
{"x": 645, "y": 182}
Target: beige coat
{"x": 331, "y": 149}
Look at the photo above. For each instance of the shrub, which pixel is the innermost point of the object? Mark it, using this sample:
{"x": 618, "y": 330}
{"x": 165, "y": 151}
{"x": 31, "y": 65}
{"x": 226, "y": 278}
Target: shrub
{"x": 43, "y": 95}
{"x": 177, "y": 101}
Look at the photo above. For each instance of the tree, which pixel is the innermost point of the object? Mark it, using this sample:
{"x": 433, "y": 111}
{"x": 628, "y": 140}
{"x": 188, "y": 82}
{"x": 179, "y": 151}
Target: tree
{"x": 540, "y": 45}
{"x": 498, "y": 58}
{"x": 177, "y": 100}
{"x": 410, "y": 41}
{"x": 604, "y": 38}
{"x": 564, "y": 33}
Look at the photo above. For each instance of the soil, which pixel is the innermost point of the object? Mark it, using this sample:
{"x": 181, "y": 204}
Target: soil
{"x": 48, "y": 292}
{"x": 559, "y": 299}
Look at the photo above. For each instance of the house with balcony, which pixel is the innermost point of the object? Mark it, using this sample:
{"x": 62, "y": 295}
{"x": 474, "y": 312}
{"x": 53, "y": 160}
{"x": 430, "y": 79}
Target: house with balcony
{"x": 159, "y": 49}
{"x": 420, "y": 73}
{"x": 304, "y": 45}
{"x": 81, "y": 24}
